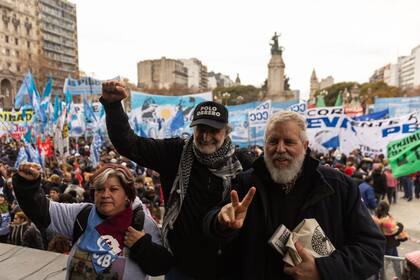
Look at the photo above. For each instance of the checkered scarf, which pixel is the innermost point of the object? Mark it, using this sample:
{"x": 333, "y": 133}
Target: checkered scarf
{"x": 221, "y": 163}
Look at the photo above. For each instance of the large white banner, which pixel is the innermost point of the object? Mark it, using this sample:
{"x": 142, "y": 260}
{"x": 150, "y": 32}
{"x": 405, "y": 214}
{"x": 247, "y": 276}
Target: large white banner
{"x": 323, "y": 127}
{"x": 371, "y": 137}
{"x": 328, "y": 127}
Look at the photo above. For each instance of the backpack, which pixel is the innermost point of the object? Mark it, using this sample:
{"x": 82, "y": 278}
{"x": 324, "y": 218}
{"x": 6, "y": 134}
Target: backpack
{"x": 80, "y": 223}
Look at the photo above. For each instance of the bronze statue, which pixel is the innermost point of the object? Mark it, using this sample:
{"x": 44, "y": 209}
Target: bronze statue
{"x": 275, "y": 48}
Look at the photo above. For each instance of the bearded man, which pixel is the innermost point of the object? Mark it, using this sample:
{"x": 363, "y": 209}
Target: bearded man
{"x": 196, "y": 176}
{"x": 289, "y": 186}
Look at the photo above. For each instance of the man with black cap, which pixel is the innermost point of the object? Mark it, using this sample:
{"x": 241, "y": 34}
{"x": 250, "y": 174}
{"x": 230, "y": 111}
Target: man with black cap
{"x": 196, "y": 175}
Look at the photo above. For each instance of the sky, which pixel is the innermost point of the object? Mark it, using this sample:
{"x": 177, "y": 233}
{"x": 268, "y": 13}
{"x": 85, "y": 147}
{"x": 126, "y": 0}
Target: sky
{"x": 345, "y": 39}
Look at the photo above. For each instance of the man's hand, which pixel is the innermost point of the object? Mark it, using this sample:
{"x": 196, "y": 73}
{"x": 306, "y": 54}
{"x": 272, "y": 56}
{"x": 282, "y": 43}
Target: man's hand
{"x": 29, "y": 170}
{"x": 306, "y": 270}
{"x": 131, "y": 236}
{"x": 113, "y": 91}
{"x": 232, "y": 215}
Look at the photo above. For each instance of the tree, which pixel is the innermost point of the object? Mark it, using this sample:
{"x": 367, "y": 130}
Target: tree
{"x": 412, "y": 92}
{"x": 333, "y": 91}
{"x": 248, "y": 93}
{"x": 368, "y": 91}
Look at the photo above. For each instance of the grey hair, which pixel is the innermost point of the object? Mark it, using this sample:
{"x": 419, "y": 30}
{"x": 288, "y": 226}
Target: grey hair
{"x": 286, "y": 116}
{"x": 102, "y": 177}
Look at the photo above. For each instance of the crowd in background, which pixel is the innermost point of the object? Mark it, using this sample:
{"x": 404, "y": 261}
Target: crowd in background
{"x": 66, "y": 180}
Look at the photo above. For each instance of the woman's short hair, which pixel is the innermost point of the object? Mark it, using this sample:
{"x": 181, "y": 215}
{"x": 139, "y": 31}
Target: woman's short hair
{"x": 115, "y": 170}
{"x": 21, "y": 215}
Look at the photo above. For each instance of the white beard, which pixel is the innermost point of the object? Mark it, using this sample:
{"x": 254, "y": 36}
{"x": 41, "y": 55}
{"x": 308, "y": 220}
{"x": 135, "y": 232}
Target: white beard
{"x": 287, "y": 174}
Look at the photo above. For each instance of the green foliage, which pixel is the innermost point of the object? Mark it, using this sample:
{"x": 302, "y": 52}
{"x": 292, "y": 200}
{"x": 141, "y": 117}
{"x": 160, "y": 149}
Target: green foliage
{"x": 249, "y": 93}
{"x": 333, "y": 91}
{"x": 368, "y": 91}
{"x": 378, "y": 89}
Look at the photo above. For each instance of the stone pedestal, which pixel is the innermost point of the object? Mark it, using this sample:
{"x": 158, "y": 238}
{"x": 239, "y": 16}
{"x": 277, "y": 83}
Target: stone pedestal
{"x": 275, "y": 82}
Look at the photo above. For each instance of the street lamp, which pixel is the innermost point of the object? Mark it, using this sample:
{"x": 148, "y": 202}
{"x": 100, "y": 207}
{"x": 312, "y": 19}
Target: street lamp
{"x": 239, "y": 99}
{"x": 226, "y": 96}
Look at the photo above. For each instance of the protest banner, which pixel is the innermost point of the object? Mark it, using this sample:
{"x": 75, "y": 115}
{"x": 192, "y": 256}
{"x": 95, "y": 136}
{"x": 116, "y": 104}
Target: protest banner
{"x": 161, "y": 116}
{"x": 404, "y": 155}
{"x": 82, "y": 86}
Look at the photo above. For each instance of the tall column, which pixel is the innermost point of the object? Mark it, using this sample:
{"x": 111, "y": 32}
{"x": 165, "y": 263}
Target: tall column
{"x": 275, "y": 81}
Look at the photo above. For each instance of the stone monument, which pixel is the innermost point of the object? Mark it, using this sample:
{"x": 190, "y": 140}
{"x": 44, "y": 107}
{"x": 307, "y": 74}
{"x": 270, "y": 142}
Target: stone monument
{"x": 275, "y": 81}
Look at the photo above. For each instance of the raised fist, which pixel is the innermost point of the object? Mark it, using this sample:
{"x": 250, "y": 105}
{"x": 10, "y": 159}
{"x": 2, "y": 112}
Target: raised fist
{"x": 113, "y": 91}
{"x": 29, "y": 170}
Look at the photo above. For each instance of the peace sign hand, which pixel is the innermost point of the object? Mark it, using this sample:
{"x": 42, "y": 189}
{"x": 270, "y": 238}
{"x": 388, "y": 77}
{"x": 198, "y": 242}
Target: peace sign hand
{"x": 232, "y": 215}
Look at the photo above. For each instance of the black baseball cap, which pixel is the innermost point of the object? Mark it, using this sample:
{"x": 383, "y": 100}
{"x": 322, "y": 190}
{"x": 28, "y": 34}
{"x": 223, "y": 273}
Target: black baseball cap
{"x": 210, "y": 113}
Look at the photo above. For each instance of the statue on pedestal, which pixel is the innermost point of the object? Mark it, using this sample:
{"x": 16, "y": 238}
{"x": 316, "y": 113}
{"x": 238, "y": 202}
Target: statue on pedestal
{"x": 275, "y": 48}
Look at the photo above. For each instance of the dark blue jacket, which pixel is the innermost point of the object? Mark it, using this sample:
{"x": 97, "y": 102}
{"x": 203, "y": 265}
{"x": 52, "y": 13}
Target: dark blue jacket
{"x": 368, "y": 195}
{"x": 334, "y": 202}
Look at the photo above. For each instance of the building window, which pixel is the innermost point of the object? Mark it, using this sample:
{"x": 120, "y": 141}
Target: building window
{"x": 8, "y": 52}
{"x": 16, "y": 41}
{"x": 29, "y": 44}
{"x": 6, "y": 39}
{"x": 18, "y": 67}
{"x": 17, "y": 53}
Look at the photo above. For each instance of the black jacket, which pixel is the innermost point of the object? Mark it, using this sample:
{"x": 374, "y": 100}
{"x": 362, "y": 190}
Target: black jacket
{"x": 333, "y": 200}
{"x": 379, "y": 182}
{"x": 195, "y": 255}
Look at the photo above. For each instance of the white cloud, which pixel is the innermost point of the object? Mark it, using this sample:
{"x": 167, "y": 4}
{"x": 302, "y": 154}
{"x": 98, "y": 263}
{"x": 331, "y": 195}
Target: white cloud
{"x": 345, "y": 39}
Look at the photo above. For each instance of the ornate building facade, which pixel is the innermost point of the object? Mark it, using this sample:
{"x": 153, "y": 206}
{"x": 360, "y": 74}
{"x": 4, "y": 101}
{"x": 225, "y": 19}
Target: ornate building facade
{"x": 36, "y": 37}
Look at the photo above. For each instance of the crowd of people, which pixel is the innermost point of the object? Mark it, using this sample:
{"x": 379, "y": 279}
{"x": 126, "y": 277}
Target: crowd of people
{"x": 201, "y": 208}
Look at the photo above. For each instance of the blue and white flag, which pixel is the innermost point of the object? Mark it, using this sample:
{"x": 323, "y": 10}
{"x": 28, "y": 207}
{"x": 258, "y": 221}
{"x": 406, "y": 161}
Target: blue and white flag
{"x": 46, "y": 95}
{"x": 21, "y": 157}
{"x": 33, "y": 155}
{"x": 25, "y": 90}
{"x": 68, "y": 98}
{"x": 95, "y": 148}
{"x": 88, "y": 110}
{"x": 57, "y": 109}
{"x": 39, "y": 111}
